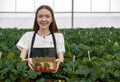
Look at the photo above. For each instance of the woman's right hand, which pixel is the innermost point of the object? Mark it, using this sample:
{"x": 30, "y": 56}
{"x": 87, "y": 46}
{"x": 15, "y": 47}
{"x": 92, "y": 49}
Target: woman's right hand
{"x": 30, "y": 63}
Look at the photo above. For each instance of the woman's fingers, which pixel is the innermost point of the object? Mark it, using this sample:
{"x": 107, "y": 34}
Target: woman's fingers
{"x": 30, "y": 66}
{"x": 58, "y": 63}
{"x": 30, "y": 63}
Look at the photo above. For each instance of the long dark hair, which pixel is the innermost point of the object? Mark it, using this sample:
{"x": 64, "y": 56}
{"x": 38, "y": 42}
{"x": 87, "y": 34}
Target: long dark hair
{"x": 53, "y": 25}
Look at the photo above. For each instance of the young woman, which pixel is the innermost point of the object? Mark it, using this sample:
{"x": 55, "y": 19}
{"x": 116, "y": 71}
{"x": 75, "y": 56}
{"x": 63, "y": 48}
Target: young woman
{"x": 44, "y": 40}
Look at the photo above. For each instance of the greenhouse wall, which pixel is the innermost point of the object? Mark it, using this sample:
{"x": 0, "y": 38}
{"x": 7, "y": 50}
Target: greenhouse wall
{"x": 81, "y": 20}
{"x": 74, "y": 14}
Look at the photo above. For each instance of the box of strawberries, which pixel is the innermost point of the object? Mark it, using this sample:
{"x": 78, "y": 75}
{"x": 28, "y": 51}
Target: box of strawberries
{"x": 44, "y": 64}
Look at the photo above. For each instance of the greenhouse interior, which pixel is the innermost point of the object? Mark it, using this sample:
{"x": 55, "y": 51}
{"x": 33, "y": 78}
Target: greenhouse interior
{"x": 91, "y": 43}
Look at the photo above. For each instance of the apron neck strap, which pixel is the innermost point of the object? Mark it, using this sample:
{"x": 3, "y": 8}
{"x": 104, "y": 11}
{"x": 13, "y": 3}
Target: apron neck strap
{"x": 33, "y": 38}
{"x": 54, "y": 41}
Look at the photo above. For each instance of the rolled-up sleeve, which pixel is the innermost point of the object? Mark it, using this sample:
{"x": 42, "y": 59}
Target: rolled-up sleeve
{"x": 60, "y": 43}
{"x": 24, "y": 42}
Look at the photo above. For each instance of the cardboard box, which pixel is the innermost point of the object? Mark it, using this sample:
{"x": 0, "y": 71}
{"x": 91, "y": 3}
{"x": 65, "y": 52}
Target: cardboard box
{"x": 49, "y": 60}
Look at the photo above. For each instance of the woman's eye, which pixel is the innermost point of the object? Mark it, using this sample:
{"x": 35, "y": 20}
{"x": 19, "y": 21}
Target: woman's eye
{"x": 40, "y": 16}
{"x": 47, "y": 16}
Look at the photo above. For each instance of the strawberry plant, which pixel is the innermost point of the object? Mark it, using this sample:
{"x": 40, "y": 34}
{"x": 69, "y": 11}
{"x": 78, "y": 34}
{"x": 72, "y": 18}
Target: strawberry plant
{"x": 37, "y": 66}
{"x": 102, "y": 64}
{"x": 47, "y": 66}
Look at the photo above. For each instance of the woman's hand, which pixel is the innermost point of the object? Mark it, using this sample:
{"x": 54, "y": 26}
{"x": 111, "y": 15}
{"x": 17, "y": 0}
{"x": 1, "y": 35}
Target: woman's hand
{"x": 23, "y": 57}
{"x": 58, "y": 63}
{"x": 30, "y": 63}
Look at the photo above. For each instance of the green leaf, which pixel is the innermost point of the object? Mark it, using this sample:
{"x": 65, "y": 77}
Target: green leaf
{"x": 41, "y": 79}
{"x": 8, "y": 80}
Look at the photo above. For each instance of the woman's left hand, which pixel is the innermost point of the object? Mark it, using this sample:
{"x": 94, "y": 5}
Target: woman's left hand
{"x": 57, "y": 67}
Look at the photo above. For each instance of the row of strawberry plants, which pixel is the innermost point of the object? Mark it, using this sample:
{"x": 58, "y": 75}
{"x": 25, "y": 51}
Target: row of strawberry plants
{"x": 92, "y": 54}
{"x": 93, "y": 48}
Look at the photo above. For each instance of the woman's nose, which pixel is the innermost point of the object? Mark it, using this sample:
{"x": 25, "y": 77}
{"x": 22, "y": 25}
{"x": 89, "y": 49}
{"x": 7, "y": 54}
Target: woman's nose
{"x": 44, "y": 19}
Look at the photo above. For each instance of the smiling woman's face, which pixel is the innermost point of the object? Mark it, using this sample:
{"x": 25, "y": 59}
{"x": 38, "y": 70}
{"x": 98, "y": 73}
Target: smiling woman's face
{"x": 44, "y": 18}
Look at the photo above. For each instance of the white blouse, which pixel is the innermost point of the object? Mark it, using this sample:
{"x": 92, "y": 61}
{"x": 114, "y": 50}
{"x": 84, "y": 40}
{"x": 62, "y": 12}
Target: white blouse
{"x": 41, "y": 42}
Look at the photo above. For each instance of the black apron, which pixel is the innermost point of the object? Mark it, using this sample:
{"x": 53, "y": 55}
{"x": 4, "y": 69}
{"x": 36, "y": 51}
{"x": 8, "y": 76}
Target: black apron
{"x": 43, "y": 52}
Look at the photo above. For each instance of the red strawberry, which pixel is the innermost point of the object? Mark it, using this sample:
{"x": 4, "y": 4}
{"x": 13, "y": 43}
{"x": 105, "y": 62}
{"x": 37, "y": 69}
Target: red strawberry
{"x": 47, "y": 68}
{"x": 37, "y": 68}
{"x": 42, "y": 68}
